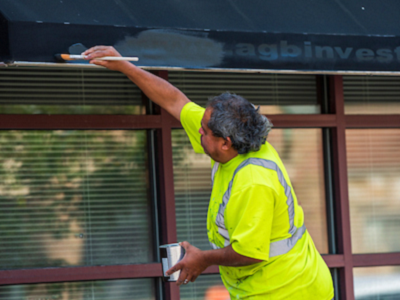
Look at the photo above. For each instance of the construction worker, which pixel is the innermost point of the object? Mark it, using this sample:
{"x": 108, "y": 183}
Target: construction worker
{"x": 254, "y": 224}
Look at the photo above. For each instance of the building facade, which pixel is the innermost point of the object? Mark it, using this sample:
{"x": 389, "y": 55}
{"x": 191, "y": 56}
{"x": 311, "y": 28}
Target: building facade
{"x": 94, "y": 177}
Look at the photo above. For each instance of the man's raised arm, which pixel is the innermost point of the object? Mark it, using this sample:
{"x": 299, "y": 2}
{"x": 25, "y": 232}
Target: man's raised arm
{"x": 156, "y": 89}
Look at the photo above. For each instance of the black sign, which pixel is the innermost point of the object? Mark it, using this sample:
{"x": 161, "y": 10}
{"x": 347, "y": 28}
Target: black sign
{"x": 206, "y": 49}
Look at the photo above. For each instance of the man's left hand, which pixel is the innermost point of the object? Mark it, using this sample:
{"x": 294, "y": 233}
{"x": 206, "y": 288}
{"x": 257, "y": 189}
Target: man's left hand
{"x": 191, "y": 266}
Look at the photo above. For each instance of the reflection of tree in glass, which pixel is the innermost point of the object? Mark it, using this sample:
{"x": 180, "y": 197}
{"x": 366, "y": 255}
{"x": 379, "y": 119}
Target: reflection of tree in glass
{"x": 73, "y": 198}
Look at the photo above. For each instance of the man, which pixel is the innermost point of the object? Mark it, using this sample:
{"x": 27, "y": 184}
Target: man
{"x": 255, "y": 225}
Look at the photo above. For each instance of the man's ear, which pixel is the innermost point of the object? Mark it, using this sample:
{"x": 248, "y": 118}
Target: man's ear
{"x": 227, "y": 144}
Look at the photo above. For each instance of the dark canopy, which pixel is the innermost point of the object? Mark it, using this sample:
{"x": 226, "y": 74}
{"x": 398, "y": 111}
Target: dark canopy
{"x": 351, "y": 35}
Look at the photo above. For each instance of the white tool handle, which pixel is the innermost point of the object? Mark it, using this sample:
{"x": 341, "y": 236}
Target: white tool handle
{"x": 115, "y": 58}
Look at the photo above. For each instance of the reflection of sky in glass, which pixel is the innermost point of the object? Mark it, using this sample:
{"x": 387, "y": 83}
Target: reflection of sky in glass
{"x": 374, "y": 189}
{"x": 73, "y": 198}
{"x": 132, "y": 289}
{"x": 301, "y": 153}
{"x": 377, "y": 283}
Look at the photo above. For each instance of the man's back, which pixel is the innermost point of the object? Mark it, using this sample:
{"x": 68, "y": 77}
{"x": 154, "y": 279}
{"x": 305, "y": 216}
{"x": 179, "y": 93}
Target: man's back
{"x": 293, "y": 268}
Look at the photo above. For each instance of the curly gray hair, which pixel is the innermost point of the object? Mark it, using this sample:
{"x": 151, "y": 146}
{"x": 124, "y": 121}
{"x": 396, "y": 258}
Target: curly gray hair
{"x": 235, "y": 117}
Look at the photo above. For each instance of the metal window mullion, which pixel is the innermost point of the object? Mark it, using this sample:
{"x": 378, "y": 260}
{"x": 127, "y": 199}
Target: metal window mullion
{"x": 323, "y": 94}
{"x": 330, "y": 211}
{"x": 152, "y": 163}
{"x": 340, "y": 188}
{"x": 64, "y": 274}
{"x": 166, "y": 188}
{"x": 154, "y": 186}
{"x": 71, "y": 122}
{"x": 151, "y": 142}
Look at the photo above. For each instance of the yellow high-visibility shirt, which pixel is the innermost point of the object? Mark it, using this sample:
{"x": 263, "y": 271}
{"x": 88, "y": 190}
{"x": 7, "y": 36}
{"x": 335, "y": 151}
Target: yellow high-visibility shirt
{"x": 253, "y": 208}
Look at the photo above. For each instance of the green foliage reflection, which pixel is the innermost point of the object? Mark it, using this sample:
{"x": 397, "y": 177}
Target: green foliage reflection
{"x": 73, "y": 198}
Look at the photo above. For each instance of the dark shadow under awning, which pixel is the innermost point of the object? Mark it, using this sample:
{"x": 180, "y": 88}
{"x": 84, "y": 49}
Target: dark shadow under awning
{"x": 308, "y": 35}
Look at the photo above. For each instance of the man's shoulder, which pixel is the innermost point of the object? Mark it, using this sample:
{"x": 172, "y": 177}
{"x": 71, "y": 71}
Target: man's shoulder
{"x": 261, "y": 169}
{"x": 253, "y": 176}
{"x": 191, "y": 109}
{"x": 190, "y": 118}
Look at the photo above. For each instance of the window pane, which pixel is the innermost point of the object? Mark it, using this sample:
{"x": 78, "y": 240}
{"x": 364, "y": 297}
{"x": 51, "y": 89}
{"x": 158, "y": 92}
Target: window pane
{"x": 127, "y": 289}
{"x": 28, "y": 90}
{"x": 377, "y": 283}
{"x": 275, "y": 93}
{"x": 373, "y": 163}
{"x": 371, "y": 94}
{"x": 192, "y": 182}
{"x": 300, "y": 151}
{"x": 206, "y": 287}
{"x": 70, "y": 198}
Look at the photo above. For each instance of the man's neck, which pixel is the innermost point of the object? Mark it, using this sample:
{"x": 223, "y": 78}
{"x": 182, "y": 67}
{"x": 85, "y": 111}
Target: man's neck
{"x": 228, "y": 157}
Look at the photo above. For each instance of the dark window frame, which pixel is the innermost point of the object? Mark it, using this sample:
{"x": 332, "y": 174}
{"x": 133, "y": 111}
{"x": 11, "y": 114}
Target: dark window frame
{"x": 334, "y": 124}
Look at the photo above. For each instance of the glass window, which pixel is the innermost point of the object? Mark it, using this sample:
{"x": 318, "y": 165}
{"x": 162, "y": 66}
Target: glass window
{"x": 29, "y": 90}
{"x": 206, "y": 287}
{"x": 132, "y": 289}
{"x": 275, "y": 93}
{"x": 373, "y": 163}
{"x": 192, "y": 182}
{"x": 74, "y": 198}
{"x": 300, "y": 151}
{"x": 371, "y": 94}
{"x": 377, "y": 283}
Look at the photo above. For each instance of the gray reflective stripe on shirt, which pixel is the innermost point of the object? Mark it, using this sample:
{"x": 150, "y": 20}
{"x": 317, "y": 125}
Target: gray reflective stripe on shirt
{"x": 214, "y": 246}
{"x": 284, "y": 246}
{"x": 268, "y": 164}
{"x": 214, "y": 170}
{"x": 279, "y": 247}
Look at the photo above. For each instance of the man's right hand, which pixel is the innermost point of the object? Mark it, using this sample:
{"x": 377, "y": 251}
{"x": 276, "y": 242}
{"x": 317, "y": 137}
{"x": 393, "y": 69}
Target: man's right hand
{"x": 101, "y": 51}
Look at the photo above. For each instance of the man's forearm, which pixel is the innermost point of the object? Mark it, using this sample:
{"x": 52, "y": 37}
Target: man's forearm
{"x": 227, "y": 257}
{"x": 196, "y": 261}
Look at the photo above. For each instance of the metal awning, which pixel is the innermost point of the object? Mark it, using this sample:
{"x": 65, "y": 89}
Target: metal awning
{"x": 302, "y": 36}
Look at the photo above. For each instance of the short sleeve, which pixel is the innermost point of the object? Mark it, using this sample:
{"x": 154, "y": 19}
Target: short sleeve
{"x": 190, "y": 117}
{"x": 248, "y": 217}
